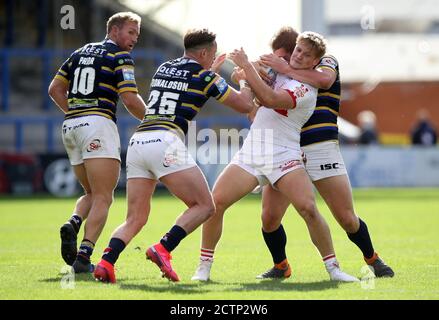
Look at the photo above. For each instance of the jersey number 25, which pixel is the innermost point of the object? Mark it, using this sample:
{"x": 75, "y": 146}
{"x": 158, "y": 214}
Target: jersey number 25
{"x": 167, "y": 105}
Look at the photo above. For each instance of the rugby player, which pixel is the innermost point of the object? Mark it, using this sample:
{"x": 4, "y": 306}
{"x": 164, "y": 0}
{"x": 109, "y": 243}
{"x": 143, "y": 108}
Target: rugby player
{"x": 271, "y": 155}
{"x": 156, "y": 151}
{"x": 325, "y": 166}
{"x": 87, "y": 88}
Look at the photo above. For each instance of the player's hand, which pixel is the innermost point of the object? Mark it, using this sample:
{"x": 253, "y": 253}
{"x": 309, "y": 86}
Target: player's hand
{"x": 236, "y": 74}
{"x": 239, "y": 74}
{"x": 278, "y": 64}
{"x": 239, "y": 57}
{"x": 261, "y": 68}
{"x": 218, "y": 62}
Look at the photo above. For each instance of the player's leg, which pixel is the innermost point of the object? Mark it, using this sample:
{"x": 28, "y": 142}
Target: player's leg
{"x": 337, "y": 193}
{"x": 102, "y": 175}
{"x": 233, "y": 184}
{"x": 70, "y": 229}
{"x": 139, "y": 194}
{"x": 302, "y": 198}
{"x": 274, "y": 206}
{"x": 191, "y": 187}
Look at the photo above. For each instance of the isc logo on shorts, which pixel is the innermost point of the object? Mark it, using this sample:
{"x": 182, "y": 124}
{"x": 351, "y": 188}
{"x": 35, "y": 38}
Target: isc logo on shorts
{"x": 329, "y": 166}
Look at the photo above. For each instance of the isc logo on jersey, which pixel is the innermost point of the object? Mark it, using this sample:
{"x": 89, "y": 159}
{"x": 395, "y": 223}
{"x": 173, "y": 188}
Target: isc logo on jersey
{"x": 128, "y": 74}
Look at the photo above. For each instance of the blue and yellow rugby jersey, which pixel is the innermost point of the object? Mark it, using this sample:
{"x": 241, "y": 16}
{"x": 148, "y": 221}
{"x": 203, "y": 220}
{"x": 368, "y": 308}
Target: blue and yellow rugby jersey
{"x": 322, "y": 126}
{"x": 96, "y": 74}
{"x": 178, "y": 91}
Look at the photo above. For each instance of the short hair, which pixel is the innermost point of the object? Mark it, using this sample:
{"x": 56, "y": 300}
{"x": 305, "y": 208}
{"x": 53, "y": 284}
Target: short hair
{"x": 316, "y": 40}
{"x": 119, "y": 19}
{"x": 285, "y": 38}
{"x": 198, "y": 38}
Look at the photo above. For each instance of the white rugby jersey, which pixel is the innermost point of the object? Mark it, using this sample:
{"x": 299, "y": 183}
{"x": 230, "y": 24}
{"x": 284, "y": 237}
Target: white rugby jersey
{"x": 285, "y": 124}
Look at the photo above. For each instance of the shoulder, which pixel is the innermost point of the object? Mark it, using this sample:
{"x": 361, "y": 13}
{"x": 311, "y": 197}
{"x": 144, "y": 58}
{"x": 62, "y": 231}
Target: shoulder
{"x": 328, "y": 61}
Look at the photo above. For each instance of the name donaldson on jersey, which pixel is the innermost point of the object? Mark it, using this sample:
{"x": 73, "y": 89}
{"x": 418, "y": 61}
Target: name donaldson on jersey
{"x": 166, "y": 84}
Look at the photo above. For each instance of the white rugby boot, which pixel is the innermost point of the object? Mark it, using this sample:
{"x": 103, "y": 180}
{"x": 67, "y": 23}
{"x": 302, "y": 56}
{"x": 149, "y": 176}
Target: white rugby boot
{"x": 203, "y": 271}
{"x": 337, "y": 275}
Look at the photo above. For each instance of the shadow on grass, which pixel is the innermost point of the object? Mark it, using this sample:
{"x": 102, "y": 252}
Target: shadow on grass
{"x": 206, "y": 287}
{"x": 165, "y": 287}
{"x": 86, "y": 277}
{"x": 276, "y": 285}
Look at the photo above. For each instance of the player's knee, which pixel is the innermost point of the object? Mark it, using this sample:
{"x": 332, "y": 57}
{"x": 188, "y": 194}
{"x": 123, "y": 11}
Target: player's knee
{"x": 136, "y": 222}
{"x": 270, "y": 222}
{"x": 104, "y": 199}
{"x": 221, "y": 203}
{"x": 308, "y": 210}
{"x": 349, "y": 222}
{"x": 208, "y": 209}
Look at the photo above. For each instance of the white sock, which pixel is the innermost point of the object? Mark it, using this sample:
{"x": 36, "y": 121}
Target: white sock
{"x": 206, "y": 254}
{"x": 331, "y": 263}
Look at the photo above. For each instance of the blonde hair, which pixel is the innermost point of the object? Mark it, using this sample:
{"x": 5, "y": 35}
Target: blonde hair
{"x": 119, "y": 19}
{"x": 316, "y": 40}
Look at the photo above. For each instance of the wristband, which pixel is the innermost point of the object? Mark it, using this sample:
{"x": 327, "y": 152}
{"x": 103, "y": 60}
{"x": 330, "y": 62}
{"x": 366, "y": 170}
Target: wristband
{"x": 243, "y": 84}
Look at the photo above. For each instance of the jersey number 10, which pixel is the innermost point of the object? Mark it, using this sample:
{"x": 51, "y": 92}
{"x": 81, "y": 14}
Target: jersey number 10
{"x": 84, "y": 80}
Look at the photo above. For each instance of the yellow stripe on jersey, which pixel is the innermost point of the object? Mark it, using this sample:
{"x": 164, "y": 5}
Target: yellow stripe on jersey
{"x": 327, "y": 67}
{"x": 327, "y": 108}
{"x": 125, "y": 89}
{"x": 107, "y": 69}
{"x": 126, "y": 82}
{"x": 62, "y": 72}
{"x": 197, "y": 91}
{"x": 320, "y": 125}
{"x": 91, "y": 113}
{"x": 110, "y": 54}
{"x": 121, "y": 53}
{"x": 107, "y": 100}
{"x": 190, "y": 105}
{"x": 210, "y": 84}
{"x": 63, "y": 79}
{"x": 328, "y": 94}
{"x": 108, "y": 86}
{"x": 199, "y": 73}
{"x": 125, "y": 66}
{"x": 224, "y": 97}
{"x": 73, "y": 112}
{"x": 162, "y": 125}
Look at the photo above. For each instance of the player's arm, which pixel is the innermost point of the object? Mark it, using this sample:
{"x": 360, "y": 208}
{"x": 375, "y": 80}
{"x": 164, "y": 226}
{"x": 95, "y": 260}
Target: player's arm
{"x": 270, "y": 98}
{"x": 126, "y": 85}
{"x": 58, "y": 90}
{"x": 134, "y": 104}
{"x": 321, "y": 77}
{"x": 240, "y": 101}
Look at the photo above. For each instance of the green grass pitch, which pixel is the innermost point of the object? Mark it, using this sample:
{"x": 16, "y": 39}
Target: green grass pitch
{"x": 403, "y": 224}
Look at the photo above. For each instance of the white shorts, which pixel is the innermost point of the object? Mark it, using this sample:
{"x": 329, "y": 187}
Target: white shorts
{"x": 269, "y": 164}
{"x": 90, "y": 137}
{"x": 154, "y": 154}
{"x": 324, "y": 160}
